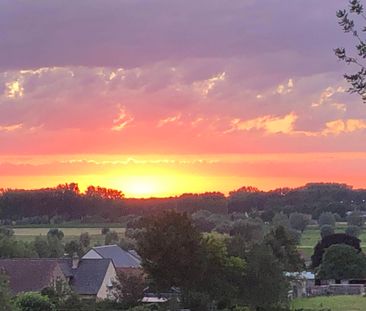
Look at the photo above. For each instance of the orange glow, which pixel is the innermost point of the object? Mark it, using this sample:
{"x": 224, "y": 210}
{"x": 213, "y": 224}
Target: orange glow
{"x": 161, "y": 175}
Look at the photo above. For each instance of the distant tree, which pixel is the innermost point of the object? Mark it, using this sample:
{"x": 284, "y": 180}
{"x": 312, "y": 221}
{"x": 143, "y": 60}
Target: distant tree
{"x": 326, "y": 230}
{"x": 327, "y": 241}
{"x": 40, "y": 245}
{"x": 355, "y": 219}
{"x": 342, "y": 262}
{"x": 73, "y": 247}
{"x": 284, "y": 248}
{"x": 104, "y": 193}
{"x": 298, "y": 221}
{"x": 353, "y": 230}
{"x": 105, "y": 230}
{"x": 56, "y": 233}
{"x": 84, "y": 240}
{"x": 55, "y": 246}
{"x": 111, "y": 238}
{"x": 201, "y": 220}
{"x": 327, "y": 218}
{"x": 127, "y": 243}
{"x": 349, "y": 25}
{"x": 251, "y": 230}
{"x": 33, "y": 302}
{"x": 280, "y": 219}
{"x": 264, "y": 284}
{"x": 6, "y": 231}
{"x": 5, "y": 297}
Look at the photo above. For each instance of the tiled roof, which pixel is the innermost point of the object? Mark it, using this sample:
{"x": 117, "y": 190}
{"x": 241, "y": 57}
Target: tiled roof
{"x": 35, "y": 274}
{"x": 120, "y": 257}
{"x": 30, "y": 274}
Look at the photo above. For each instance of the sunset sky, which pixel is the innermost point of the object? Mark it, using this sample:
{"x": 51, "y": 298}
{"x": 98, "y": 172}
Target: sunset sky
{"x": 163, "y": 97}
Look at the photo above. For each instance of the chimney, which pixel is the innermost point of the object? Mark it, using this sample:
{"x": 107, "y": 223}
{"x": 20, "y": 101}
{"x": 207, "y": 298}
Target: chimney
{"x": 75, "y": 261}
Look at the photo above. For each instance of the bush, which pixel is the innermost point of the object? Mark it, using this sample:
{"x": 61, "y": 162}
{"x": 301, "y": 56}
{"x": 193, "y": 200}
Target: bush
{"x": 327, "y": 218}
{"x": 33, "y": 302}
{"x": 353, "y": 231}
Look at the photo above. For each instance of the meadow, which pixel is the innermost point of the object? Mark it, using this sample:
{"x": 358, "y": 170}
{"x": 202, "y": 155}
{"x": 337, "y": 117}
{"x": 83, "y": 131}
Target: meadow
{"x": 334, "y": 303}
{"x": 311, "y": 236}
{"x": 30, "y": 233}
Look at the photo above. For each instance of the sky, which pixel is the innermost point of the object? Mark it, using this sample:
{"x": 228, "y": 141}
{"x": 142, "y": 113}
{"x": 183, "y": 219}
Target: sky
{"x": 163, "y": 97}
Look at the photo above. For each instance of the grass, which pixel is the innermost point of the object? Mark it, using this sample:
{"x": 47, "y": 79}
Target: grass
{"x": 29, "y": 234}
{"x": 335, "y": 303}
{"x": 311, "y": 236}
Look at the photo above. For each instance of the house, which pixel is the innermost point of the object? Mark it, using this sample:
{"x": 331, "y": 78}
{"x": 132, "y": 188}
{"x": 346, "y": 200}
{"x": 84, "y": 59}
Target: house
{"x": 301, "y": 283}
{"x": 127, "y": 261}
{"x": 89, "y": 278}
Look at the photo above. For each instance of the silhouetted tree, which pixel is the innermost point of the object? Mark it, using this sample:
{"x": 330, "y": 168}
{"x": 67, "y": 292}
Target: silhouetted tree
{"x": 327, "y": 241}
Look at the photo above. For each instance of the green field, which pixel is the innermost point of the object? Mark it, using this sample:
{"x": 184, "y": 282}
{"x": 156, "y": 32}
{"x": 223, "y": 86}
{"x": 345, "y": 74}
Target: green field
{"x": 335, "y": 303}
{"x": 311, "y": 236}
{"x": 29, "y": 234}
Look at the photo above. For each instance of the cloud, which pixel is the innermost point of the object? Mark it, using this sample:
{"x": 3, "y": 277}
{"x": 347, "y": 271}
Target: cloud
{"x": 14, "y": 89}
{"x": 122, "y": 120}
{"x": 168, "y": 120}
{"x": 344, "y": 126}
{"x": 269, "y": 124}
{"x": 10, "y": 128}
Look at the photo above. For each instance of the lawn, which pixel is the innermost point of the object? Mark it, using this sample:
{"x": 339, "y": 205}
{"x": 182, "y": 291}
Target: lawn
{"x": 335, "y": 303}
{"x": 311, "y": 236}
{"x": 29, "y": 234}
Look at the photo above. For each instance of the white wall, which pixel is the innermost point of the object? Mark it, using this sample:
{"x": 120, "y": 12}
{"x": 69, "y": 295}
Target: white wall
{"x": 111, "y": 275}
{"x": 92, "y": 254}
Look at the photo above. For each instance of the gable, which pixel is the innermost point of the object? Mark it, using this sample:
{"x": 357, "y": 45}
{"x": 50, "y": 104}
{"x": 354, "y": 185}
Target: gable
{"x": 92, "y": 254}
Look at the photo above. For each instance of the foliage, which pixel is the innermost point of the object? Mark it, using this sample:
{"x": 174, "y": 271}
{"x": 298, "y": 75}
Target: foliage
{"x": 5, "y": 302}
{"x": 327, "y": 218}
{"x": 44, "y": 206}
{"x": 298, "y": 221}
{"x": 353, "y": 230}
{"x": 280, "y": 219}
{"x": 264, "y": 283}
{"x": 170, "y": 250}
{"x": 129, "y": 288}
{"x": 5, "y": 231}
{"x": 355, "y": 219}
{"x": 33, "y": 302}
{"x": 175, "y": 254}
{"x": 326, "y": 230}
{"x": 55, "y": 233}
{"x": 284, "y": 248}
{"x": 84, "y": 240}
{"x": 327, "y": 241}
{"x": 356, "y": 58}
{"x": 73, "y": 247}
{"x": 251, "y": 230}
{"x": 111, "y": 238}
{"x": 105, "y": 230}
{"x": 11, "y": 248}
{"x": 342, "y": 262}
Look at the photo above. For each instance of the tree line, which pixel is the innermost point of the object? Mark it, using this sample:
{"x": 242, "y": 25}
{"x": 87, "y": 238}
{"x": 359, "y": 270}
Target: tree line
{"x": 97, "y": 204}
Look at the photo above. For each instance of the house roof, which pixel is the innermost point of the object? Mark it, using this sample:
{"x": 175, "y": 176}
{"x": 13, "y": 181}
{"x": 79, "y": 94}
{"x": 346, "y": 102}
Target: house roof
{"x": 36, "y": 274}
{"x": 88, "y": 278}
{"x": 120, "y": 257}
{"x": 30, "y": 274}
